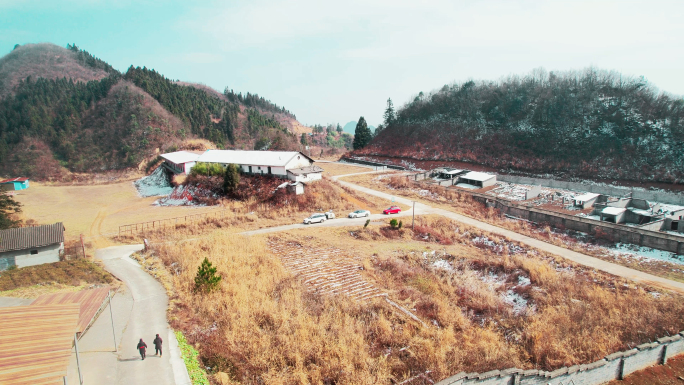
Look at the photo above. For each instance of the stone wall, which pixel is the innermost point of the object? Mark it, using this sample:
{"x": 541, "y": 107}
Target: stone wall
{"x": 614, "y": 367}
{"x": 658, "y": 196}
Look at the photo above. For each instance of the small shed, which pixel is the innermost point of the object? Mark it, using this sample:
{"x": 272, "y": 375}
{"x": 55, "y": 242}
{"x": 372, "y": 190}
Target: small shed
{"x": 478, "y": 179}
{"x": 305, "y": 174}
{"x": 28, "y": 246}
{"x": 450, "y": 173}
{"x": 296, "y": 188}
{"x": 14, "y": 184}
{"x": 586, "y": 200}
{"x": 613, "y": 214}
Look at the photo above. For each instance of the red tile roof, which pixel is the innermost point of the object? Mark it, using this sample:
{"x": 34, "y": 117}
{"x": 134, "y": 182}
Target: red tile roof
{"x": 14, "y": 180}
{"x": 91, "y": 302}
{"x": 36, "y": 343}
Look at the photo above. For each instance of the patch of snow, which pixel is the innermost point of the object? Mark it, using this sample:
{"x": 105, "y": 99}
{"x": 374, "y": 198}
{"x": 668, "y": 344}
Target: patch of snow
{"x": 516, "y": 301}
{"x": 443, "y": 265}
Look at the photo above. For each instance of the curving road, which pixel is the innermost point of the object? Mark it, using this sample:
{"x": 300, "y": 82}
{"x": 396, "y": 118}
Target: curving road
{"x": 147, "y": 318}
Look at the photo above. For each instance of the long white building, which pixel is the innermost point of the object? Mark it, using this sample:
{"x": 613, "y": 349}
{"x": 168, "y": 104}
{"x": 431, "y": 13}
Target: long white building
{"x": 292, "y": 165}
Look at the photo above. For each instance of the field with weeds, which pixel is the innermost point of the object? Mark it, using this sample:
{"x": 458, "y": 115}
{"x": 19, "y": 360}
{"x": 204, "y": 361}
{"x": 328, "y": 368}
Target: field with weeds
{"x": 239, "y": 216}
{"x": 482, "y": 303}
{"x": 32, "y": 281}
{"x": 334, "y": 169}
{"x": 462, "y": 203}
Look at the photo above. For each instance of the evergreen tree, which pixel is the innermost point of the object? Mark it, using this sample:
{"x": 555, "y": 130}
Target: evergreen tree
{"x": 8, "y": 207}
{"x": 206, "y": 279}
{"x": 303, "y": 140}
{"x": 231, "y": 178}
{"x": 339, "y": 129}
{"x": 362, "y": 134}
{"x": 390, "y": 117}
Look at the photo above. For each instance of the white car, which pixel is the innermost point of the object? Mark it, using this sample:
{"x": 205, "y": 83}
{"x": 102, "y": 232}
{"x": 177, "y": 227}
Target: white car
{"x": 315, "y": 218}
{"x": 359, "y": 214}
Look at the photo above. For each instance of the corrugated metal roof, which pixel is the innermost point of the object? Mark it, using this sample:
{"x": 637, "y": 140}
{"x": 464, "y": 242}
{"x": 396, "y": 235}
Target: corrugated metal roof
{"x": 478, "y": 176}
{"x": 36, "y": 343}
{"x": 90, "y": 301}
{"x": 27, "y": 237}
{"x": 254, "y": 158}
{"x": 180, "y": 157}
{"x": 305, "y": 170}
{"x": 14, "y": 180}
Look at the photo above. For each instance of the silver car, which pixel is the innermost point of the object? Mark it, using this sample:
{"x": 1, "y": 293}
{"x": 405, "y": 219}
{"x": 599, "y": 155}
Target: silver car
{"x": 315, "y": 218}
{"x": 359, "y": 214}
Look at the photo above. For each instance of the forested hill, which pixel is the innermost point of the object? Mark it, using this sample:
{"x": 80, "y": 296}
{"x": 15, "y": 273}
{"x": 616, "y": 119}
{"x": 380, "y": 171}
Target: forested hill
{"x": 78, "y": 114}
{"x": 590, "y": 124}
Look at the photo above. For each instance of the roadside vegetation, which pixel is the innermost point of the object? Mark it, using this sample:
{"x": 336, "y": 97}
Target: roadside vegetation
{"x": 462, "y": 203}
{"x": 484, "y": 303}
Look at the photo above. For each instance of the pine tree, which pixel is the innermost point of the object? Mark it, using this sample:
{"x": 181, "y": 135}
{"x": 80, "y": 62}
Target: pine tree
{"x": 362, "y": 134}
{"x": 8, "y": 207}
{"x": 303, "y": 140}
{"x": 206, "y": 279}
{"x": 390, "y": 117}
{"x": 339, "y": 129}
{"x": 231, "y": 178}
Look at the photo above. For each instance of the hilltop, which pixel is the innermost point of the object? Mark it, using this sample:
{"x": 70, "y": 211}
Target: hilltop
{"x": 591, "y": 124}
{"x": 62, "y": 110}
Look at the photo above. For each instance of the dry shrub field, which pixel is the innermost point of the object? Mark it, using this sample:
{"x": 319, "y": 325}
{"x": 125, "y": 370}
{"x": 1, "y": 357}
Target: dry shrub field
{"x": 64, "y": 275}
{"x": 483, "y": 303}
{"x": 462, "y": 203}
{"x": 334, "y": 169}
{"x": 238, "y": 216}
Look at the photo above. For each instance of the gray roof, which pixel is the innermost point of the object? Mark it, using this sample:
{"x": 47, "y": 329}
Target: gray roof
{"x": 305, "y": 170}
{"x": 256, "y": 158}
{"x": 27, "y": 237}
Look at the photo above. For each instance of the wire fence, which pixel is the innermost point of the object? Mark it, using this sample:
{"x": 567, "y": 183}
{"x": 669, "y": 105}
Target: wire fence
{"x": 141, "y": 227}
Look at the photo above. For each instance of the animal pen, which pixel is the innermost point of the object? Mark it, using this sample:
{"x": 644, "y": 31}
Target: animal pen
{"x": 141, "y": 227}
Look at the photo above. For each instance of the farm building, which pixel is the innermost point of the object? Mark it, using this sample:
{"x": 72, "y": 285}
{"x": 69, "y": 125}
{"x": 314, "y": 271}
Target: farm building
{"x": 477, "y": 179}
{"x": 585, "y": 200}
{"x": 28, "y": 246}
{"x": 180, "y": 162}
{"x": 292, "y": 165}
{"x": 450, "y": 173}
{"x": 613, "y": 214}
{"x": 14, "y": 184}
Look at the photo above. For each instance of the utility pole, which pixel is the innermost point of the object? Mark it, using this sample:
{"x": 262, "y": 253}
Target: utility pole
{"x": 413, "y": 215}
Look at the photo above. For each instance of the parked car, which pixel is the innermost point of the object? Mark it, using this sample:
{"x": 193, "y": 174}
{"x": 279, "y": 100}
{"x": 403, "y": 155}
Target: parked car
{"x": 359, "y": 214}
{"x": 392, "y": 210}
{"x": 315, "y": 218}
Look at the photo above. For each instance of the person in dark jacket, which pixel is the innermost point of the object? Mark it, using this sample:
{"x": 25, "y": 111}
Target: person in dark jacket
{"x": 157, "y": 345}
{"x": 142, "y": 346}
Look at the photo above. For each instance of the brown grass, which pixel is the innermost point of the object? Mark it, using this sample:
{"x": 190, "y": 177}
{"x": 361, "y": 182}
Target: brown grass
{"x": 264, "y": 326}
{"x": 73, "y": 273}
{"x": 462, "y": 203}
{"x": 333, "y": 169}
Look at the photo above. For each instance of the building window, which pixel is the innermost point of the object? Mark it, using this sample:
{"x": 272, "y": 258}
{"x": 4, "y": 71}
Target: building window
{"x": 34, "y": 252}
{"x": 269, "y": 170}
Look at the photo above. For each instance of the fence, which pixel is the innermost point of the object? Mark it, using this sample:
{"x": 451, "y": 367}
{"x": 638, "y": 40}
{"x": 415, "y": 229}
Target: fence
{"x": 614, "y": 367}
{"x": 369, "y": 163}
{"x": 169, "y": 222}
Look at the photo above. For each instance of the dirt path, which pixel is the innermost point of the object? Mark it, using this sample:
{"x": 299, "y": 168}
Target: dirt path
{"x": 574, "y": 256}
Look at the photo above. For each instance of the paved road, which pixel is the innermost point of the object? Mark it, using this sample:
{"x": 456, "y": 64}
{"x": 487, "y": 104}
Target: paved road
{"x": 576, "y": 257}
{"x": 140, "y": 312}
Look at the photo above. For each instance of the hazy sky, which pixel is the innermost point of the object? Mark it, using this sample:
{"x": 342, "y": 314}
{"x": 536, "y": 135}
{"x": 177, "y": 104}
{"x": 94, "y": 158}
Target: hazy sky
{"x": 333, "y": 61}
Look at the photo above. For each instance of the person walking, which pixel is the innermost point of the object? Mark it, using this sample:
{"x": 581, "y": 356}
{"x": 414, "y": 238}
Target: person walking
{"x": 157, "y": 345}
{"x": 142, "y": 346}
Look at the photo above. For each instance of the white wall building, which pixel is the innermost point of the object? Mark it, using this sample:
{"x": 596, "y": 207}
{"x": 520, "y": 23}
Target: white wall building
{"x": 180, "y": 162}
{"x": 28, "y": 246}
{"x": 276, "y": 163}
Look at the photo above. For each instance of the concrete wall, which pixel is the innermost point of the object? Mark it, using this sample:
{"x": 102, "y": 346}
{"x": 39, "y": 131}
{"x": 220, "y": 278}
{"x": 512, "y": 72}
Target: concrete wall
{"x": 664, "y": 197}
{"x": 263, "y": 170}
{"x": 23, "y": 258}
{"x": 369, "y": 163}
{"x": 614, "y": 367}
{"x": 306, "y": 178}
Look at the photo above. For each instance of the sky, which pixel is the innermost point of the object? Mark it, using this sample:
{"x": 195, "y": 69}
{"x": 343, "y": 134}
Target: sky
{"x": 331, "y": 62}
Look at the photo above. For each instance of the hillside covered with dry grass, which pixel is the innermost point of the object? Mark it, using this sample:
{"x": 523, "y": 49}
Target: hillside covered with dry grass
{"x": 484, "y": 303}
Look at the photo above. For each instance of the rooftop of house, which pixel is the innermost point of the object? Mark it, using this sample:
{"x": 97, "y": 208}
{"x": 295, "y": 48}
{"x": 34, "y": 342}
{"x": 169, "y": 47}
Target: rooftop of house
{"x": 613, "y": 210}
{"x": 257, "y": 158}
{"x": 14, "y": 180}
{"x": 305, "y": 170}
{"x": 180, "y": 157}
{"x": 478, "y": 176}
{"x": 22, "y": 238}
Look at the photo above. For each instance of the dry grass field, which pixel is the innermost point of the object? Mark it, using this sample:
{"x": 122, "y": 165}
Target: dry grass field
{"x": 287, "y": 311}
{"x": 334, "y": 169}
{"x": 462, "y": 203}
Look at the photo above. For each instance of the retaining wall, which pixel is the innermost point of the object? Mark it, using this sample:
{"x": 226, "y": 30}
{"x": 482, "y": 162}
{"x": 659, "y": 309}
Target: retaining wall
{"x": 614, "y": 367}
{"x": 659, "y": 196}
{"x": 369, "y": 163}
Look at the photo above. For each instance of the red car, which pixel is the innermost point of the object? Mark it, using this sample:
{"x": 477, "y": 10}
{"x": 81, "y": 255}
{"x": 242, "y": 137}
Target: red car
{"x": 392, "y": 210}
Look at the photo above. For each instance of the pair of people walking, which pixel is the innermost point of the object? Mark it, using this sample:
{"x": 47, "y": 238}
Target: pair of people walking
{"x": 142, "y": 347}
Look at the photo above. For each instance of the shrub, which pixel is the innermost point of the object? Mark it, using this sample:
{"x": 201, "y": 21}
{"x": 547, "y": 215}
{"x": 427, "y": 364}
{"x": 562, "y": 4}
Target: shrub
{"x": 366, "y": 224}
{"x": 206, "y": 279}
{"x": 401, "y": 224}
{"x": 394, "y": 223}
{"x": 231, "y": 178}
{"x": 207, "y": 169}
